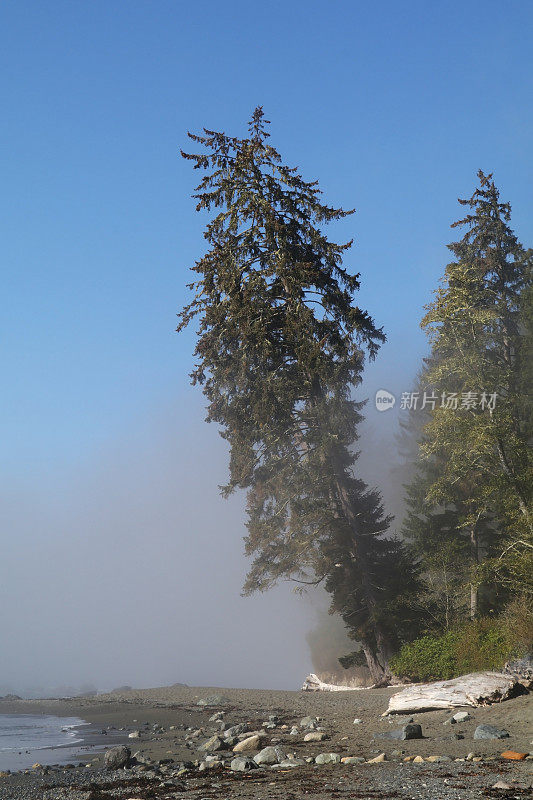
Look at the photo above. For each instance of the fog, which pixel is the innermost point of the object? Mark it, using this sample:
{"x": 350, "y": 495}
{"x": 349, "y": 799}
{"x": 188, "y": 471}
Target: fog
{"x": 125, "y": 567}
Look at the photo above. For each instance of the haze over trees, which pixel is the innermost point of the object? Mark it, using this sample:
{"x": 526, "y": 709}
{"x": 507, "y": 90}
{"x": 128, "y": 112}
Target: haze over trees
{"x": 280, "y": 350}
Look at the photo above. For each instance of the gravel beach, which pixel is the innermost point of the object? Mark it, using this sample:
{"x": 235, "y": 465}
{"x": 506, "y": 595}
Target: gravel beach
{"x": 180, "y": 749}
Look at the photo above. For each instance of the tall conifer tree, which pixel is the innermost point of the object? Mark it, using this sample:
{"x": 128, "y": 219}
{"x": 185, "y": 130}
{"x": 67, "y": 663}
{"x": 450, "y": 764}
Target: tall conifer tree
{"x": 281, "y": 346}
{"x": 477, "y": 438}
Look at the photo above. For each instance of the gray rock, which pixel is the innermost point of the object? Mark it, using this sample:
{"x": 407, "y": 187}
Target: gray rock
{"x": 289, "y": 763}
{"x": 242, "y": 764}
{"x": 134, "y": 735}
{"x": 212, "y": 745}
{"x": 117, "y": 757}
{"x": 490, "y": 732}
{"x": 270, "y": 755}
{"x": 353, "y": 760}
{"x": 235, "y": 730}
{"x": 214, "y": 700}
{"x": 461, "y": 716}
{"x": 315, "y": 736}
{"x": 328, "y": 758}
{"x": 309, "y": 722}
{"x": 412, "y": 731}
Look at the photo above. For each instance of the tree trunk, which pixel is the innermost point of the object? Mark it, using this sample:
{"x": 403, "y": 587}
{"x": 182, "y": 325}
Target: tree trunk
{"x": 377, "y": 656}
{"x": 473, "y": 601}
{"x": 474, "y": 552}
{"x": 522, "y": 504}
{"x": 377, "y": 664}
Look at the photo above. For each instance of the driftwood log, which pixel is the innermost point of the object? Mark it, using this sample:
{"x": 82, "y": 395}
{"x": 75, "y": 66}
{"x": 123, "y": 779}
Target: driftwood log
{"x": 476, "y": 689}
{"x": 313, "y": 684}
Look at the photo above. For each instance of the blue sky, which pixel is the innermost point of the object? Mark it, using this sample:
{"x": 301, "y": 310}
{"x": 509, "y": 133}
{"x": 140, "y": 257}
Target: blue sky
{"x": 393, "y": 106}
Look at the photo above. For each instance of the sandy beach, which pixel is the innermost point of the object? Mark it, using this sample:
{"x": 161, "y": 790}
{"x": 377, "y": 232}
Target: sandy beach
{"x": 172, "y": 727}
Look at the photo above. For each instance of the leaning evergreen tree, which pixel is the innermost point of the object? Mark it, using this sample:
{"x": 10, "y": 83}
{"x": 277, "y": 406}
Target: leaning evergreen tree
{"x": 281, "y": 346}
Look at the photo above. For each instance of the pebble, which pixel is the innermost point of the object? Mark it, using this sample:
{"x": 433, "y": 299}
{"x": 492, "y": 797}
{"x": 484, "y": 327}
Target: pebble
{"x": 461, "y": 716}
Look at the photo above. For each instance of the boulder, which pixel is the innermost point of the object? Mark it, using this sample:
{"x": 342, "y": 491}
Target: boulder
{"x": 315, "y": 736}
{"x": 412, "y": 731}
{"x": 289, "y": 763}
{"x": 270, "y": 755}
{"x": 236, "y": 730}
{"x": 478, "y": 688}
{"x": 490, "y": 732}
{"x": 117, "y": 757}
{"x": 242, "y": 764}
{"x": 251, "y": 743}
{"x": 212, "y": 745}
{"x": 328, "y": 758}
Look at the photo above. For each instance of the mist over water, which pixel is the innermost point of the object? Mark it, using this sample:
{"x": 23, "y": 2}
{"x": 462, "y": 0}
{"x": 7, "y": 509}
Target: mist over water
{"x": 127, "y": 569}
{"x": 125, "y": 566}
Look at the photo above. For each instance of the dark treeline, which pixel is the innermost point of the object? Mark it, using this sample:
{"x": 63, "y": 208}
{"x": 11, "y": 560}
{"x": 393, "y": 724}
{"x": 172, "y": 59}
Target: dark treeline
{"x": 281, "y": 347}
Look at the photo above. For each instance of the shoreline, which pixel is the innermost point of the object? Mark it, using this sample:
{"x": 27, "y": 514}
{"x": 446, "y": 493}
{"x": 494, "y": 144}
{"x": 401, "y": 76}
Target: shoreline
{"x": 172, "y": 727}
{"x": 88, "y": 738}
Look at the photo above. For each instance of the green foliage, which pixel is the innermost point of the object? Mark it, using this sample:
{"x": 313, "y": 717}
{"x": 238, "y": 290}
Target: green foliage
{"x": 474, "y": 327}
{"x": 485, "y": 644}
{"x": 281, "y": 346}
{"x": 469, "y": 505}
{"x": 428, "y": 658}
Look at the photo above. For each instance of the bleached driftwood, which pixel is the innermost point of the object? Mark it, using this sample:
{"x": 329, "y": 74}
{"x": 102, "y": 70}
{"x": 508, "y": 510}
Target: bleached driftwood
{"x": 478, "y": 688}
{"x": 313, "y": 684}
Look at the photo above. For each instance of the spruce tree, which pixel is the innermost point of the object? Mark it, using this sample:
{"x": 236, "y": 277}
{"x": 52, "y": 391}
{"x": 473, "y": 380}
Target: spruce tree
{"x": 280, "y": 349}
{"x": 477, "y": 438}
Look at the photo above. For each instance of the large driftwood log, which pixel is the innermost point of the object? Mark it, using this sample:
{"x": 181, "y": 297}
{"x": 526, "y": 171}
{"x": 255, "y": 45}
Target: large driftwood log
{"x": 313, "y": 684}
{"x": 476, "y": 689}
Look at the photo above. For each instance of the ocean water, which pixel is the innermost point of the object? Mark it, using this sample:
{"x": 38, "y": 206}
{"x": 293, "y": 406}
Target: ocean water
{"x": 27, "y": 738}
